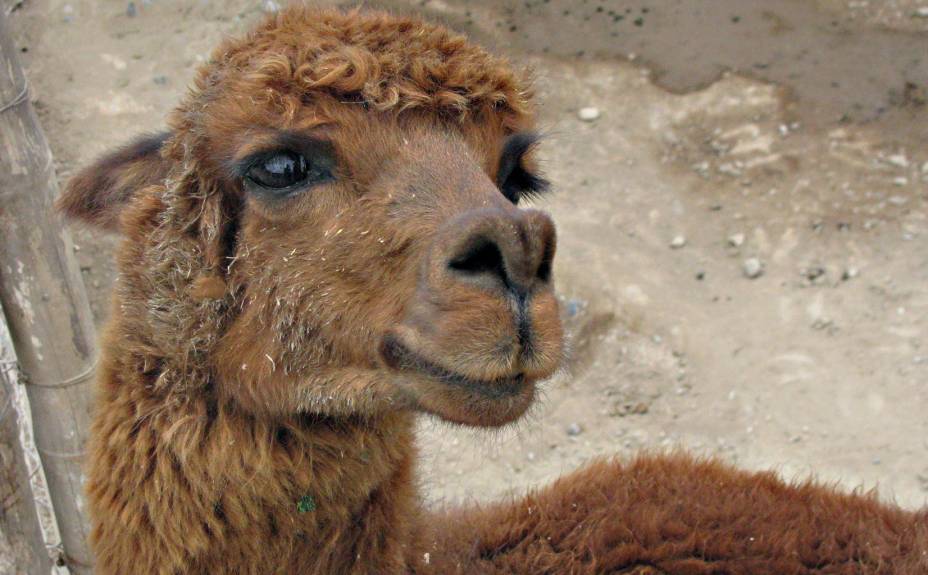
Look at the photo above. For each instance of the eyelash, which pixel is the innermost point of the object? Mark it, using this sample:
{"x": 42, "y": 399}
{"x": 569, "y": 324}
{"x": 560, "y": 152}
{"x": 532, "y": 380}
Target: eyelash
{"x": 513, "y": 180}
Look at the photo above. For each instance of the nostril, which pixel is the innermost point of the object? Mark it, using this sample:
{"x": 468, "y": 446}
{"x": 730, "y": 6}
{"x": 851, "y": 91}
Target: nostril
{"x": 543, "y": 273}
{"x": 481, "y": 257}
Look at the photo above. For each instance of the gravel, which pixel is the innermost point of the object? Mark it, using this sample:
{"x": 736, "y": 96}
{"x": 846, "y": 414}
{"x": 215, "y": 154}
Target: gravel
{"x": 588, "y": 114}
{"x": 574, "y": 307}
{"x": 753, "y": 268}
{"x": 898, "y": 160}
{"x": 813, "y": 273}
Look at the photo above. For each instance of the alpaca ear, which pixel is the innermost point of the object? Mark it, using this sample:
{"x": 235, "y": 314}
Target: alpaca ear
{"x": 98, "y": 193}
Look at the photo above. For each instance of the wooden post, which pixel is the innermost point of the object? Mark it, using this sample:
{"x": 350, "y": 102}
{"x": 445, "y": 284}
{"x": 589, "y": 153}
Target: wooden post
{"x": 45, "y": 304}
{"x": 22, "y": 542}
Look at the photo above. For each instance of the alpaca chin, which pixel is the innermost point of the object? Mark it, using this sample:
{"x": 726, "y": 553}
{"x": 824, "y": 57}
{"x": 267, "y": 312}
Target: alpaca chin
{"x": 474, "y": 406}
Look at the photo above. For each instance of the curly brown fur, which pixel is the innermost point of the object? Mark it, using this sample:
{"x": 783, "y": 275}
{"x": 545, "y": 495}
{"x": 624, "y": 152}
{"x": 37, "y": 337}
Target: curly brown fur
{"x": 677, "y": 515}
{"x": 267, "y": 352}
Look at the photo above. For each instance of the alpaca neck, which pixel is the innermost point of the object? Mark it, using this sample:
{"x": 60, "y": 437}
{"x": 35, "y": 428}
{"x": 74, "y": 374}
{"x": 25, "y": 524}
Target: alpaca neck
{"x": 341, "y": 485}
{"x": 261, "y": 495}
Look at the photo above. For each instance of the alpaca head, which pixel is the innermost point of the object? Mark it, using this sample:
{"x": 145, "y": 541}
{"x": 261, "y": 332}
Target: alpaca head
{"x": 333, "y": 225}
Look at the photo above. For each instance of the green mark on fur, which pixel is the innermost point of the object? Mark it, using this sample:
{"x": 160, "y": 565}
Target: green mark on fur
{"x": 306, "y": 504}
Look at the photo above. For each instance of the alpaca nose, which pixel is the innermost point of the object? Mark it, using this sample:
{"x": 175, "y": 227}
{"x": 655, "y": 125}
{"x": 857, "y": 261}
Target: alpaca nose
{"x": 512, "y": 249}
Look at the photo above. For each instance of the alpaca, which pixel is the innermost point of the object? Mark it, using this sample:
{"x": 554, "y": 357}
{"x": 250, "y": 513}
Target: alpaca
{"x": 326, "y": 242}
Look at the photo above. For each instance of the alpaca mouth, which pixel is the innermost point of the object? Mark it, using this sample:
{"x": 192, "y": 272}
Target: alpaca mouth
{"x": 400, "y": 357}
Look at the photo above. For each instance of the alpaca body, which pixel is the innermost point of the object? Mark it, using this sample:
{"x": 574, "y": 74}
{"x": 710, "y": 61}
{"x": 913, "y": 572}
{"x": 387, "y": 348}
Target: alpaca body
{"x": 676, "y": 515}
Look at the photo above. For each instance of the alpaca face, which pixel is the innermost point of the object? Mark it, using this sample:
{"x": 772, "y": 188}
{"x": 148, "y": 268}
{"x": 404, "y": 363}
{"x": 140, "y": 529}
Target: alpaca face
{"x": 394, "y": 252}
{"x": 356, "y": 181}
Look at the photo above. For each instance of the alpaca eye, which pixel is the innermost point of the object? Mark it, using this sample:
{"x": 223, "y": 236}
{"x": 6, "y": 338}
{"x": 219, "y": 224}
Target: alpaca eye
{"x": 279, "y": 171}
{"x": 514, "y": 180}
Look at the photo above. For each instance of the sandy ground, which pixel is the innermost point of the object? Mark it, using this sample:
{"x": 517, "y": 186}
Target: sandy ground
{"x": 810, "y": 156}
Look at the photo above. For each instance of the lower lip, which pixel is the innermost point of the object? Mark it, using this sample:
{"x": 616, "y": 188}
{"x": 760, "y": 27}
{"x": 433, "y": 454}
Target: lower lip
{"x": 397, "y": 356}
{"x": 497, "y": 389}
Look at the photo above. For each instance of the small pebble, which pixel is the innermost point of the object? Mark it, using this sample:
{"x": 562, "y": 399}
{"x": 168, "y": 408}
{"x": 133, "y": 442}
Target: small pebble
{"x": 850, "y": 273}
{"x": 573, "y": 307}
{"x": 701, "y": 168}
{"x": 270, "y": 6}
{"x": 922, "y": 12}
{"x": 753, "y": 268}
{"x": 736, "y": 240}
{"x": 901, "y": 181}
{"x": 678, "y": 242}
{"x": 730, "y": 169}
{"x": 131, "y": 11}
{"x": 814, "y": 273}
{"x": 588, "y": 114}
{"x": 161, "y": 80}
{"x": 923, "y": 480}
{"x": 574, "y": 429}
{"x": 898, "y": 160}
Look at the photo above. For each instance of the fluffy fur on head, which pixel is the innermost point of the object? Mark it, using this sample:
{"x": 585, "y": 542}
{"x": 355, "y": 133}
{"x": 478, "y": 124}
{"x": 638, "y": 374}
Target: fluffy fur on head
{"x": 376, "y": 60}
{"x": 305, "y": 57}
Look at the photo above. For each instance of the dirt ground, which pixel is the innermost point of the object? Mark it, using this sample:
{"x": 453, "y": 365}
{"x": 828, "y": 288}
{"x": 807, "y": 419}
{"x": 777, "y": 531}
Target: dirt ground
{"x": 788, "y": 135}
